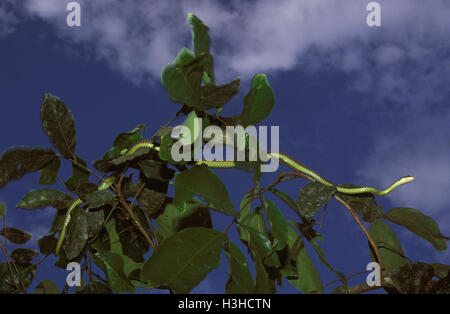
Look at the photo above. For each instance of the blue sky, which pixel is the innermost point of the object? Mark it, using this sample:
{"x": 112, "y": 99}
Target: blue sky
{"x": 360, "y": 105}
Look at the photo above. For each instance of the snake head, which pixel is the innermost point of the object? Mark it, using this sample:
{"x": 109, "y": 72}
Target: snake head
{"x": 407, "y": 179}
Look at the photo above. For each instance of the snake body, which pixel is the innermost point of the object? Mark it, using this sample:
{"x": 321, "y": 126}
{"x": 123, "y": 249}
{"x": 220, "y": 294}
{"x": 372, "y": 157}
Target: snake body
{"x": 284, "y": 159}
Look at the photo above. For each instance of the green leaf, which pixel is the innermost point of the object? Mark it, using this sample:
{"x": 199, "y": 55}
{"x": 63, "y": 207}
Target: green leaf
{"x": 214, "y": 96}
{"x": 43, "y": 198}
{"x": 127, "y": 139}
{"x": 46, "y": 286}
{"x": 117, "y": 279}
{"x": 258, "y": 103}
{"x": 23, "y": 276}
{"x": 79, "y": 176}
{"x": 49, "y": 173}
{"x": 15, "y": 235}
{"x": 47, "y": 244}
{"x": 77, "y": 233}
{"x": 412, "y": 278}
{"x": 23, "y": 256}
{"x": 156, "y": 170}
{"x": 202, "y": 181}
{"x": 419, "y": 224}
{"x": 308, "y": 277}
{"x": 312, "y": 197}
{"x": 285, "y": 198}
{"x": 2, "y": 210}
{"x": 264, "y": 285}
{"x": 364, "y": 204}
{"x": 151, "y": 200}
{"x": 98, "y": 198}
{"x": 390, "y": 248}
{"x": 240, "y": 279}
{"x": 441, "y": 270}
{"x": 59, "y": 125}
{"x": 184, "y": 259}
{"x": 183, "y": 77}
{"x": 95, "y": 221}
{"x": 18, "y": 161}
{"x": 278, "y": 225}
{"x": 171, "y": 220}
{"x": 94, "y": 287}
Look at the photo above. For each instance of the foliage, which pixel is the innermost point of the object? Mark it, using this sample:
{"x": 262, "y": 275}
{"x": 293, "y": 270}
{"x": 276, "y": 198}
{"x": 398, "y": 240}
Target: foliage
{"x": 139, "y": 237}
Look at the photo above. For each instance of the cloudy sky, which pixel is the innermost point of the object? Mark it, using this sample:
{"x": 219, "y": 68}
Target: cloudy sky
{"x": 363, "y": 105}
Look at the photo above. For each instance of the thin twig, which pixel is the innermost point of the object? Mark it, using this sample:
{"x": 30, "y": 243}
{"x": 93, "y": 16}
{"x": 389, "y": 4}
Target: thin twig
{"x": 130, "y": 212}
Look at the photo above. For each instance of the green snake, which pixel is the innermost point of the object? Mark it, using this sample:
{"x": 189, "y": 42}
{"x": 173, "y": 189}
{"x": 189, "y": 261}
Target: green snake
{"x": 284, "y": 159}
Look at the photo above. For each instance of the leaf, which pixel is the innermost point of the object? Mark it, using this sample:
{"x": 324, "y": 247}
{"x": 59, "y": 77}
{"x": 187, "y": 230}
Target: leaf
{"x": 2, "y": 210}
{"x": 59, "y": 125}
{"x": 127, "y": 139}
{"x": 285, "y": 198}
{"x": 308, "y": 277}
{"x": 43, "y": 198}
{"x": 18, "y": 161}
{"x": 182, "y": 78}
{"x": 46, "y": 286}
{"x": 95, "y": 221}
{"x": 23, "y": 276}
{"x": 79, "y": 176}
{"x": 390, "y": 248}
{"x": 412, "y": 278}
{"x": 94, "y": 287}
{"x": 312, "y": 197}
{"x": 98, "y": 198}
{"x": 184, "y": 259}
{"x": 77, "y": 233}
{"x": 440, "y": 270}
{"x": 156, "y": 170}
{"x": 240, "y": 279}
{"x": 201, "y": 43}
{"x": 117, "y": 279}
{"x": 213, "y": 96}
{"x": 47, "y": 244}
{"x": 202, "y": 181}
{"x": 23, "y": 256}
{"x": 258, "y": 103}
{"x": 15, "y": 235}
{"x": 278, "y": 225}
{"x": 49, "y": 173}
{"x": 151, "y": 200}
{"x": 263, "y": 285}
{"x": 364, "y": 204}
{"x": 419, "y": 224}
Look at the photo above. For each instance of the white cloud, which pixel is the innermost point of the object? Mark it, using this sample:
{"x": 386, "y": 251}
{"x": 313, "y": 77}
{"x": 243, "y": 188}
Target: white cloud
{"x": 8, "y": 19}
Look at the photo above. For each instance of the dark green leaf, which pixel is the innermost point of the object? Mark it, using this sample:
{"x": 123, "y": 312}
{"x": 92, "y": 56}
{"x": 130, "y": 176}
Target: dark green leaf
{"x": 258, "y": 103}
{"x": 184, "y": 259}
{"x": 47, "y": 244}
{"x": 15, "y": 235}
{"x": 43, "y": 198}
{"x": 23, "y": 256}
{"x": 117, "y": 279}
{"x": 312, "y": 197}
{"x": 412, "y": 278}
{"x": 49, "y": 173}
{"x": 46, "y": 287}
{"x": 98, "y": 198}
{"x": 79, "y": 176}
{"x": 23, "y": 276}
{"x": 18, "y": 161}
{"x": 151, "y": 200}
{"x": 77, "y": 233}
{"x": 156, "y": 170}
{"x": 94, "y": 287}
{"x": 95, "y": 222}
{"x": 240, "y": 279}
{"x": 59, "y": 125}
{"x": 213, "y": 96}
{"x": 278, "y": 225}
{"x": 2, "y": 210}
{"x": 128, "y": 139}
{"x": 420, "y": 224}
{"x": 390, "y": 248}
{"x": 202, "y": 181}
{"x": 364, "y": 204}
{"x": 308, "y": 277}
{"x": 263, "y": 285}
